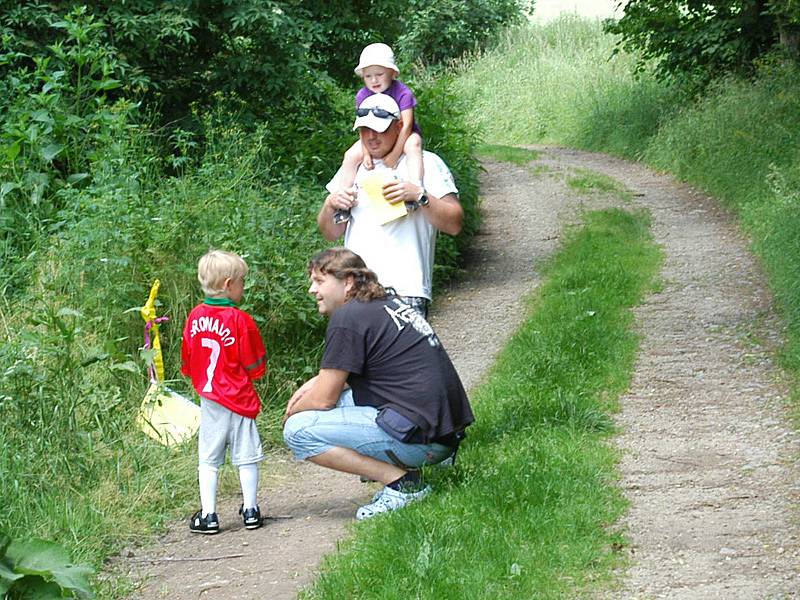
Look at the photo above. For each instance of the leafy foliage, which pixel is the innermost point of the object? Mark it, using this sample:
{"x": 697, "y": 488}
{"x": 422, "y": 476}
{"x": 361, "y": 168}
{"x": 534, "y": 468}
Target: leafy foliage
{"x": 437, "y": 31}
{"x": 183, "y": 51}
{"x": 57, "y": 121}
{"x": 694, "y": 42}
{"x": 40, "y": 569}
{"x": 266, "y": 52}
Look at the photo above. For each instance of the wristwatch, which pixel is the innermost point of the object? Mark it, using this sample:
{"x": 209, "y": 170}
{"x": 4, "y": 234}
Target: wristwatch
{"x": 423, "y": 198}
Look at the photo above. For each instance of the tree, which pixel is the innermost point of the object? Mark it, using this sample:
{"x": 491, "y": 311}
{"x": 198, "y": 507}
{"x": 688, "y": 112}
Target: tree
{"x": 694, "y": 41}
{"x": 787, "y": 15}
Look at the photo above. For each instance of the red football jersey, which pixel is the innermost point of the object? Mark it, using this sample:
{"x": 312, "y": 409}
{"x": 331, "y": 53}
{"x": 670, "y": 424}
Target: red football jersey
{"x": 223, "y": 353}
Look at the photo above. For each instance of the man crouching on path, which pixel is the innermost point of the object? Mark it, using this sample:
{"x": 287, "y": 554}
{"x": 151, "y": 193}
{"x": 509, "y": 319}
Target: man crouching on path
{"x": 387, "y": 400}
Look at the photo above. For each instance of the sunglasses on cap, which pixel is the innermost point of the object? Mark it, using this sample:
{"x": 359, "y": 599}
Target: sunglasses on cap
{"x": 378, "y": 112}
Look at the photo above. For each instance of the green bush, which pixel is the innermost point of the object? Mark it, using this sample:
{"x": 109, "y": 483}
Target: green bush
{"x": 435, "y": 32}
{"x": 179, "y": 54}
{"x": 694, "y": 43}
{"x": 40, "y": 569}
{"x": 57, "y": 120}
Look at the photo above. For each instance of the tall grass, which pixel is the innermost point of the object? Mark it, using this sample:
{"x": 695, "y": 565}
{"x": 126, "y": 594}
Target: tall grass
{"x": 557, "y": 83}
{"x": 529, "y": 510}
{"x": 560, "y": 84}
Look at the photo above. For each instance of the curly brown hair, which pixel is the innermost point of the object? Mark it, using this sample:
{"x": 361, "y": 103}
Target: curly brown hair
{"x": 343, "y": 263}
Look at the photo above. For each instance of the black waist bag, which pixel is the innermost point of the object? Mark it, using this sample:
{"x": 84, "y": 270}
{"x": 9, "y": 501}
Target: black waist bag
{"x": 398, "y": 426}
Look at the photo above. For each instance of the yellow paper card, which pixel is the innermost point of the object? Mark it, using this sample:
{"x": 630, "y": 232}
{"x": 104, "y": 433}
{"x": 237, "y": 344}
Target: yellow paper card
{"x": 372, "y": 198}
{"x": 168, "y": 417}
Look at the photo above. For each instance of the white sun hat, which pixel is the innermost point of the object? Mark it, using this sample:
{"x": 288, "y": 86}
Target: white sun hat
{"x": 379, "y": 55}
{"x": 377, "y": 112}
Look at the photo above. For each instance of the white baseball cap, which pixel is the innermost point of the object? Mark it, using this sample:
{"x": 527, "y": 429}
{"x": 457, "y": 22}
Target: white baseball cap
{"x": 377, "y": 112}
{"x": 376, "y": 54}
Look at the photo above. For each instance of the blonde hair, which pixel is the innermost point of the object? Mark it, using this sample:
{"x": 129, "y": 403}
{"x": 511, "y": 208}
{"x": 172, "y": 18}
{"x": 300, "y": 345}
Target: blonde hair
{"x": 215, "y": 267}
{"x": 343, "y": 263}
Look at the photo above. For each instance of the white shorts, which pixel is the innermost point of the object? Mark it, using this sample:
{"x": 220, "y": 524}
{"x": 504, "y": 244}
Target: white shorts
{"x": 221, "y": 428}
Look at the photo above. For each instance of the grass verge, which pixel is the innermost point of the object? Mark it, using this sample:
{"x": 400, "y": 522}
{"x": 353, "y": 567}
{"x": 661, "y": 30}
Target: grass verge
{"x": 512, "y": 154}
{"x": 529, "y": 511}
{"x": 586, "y": 181}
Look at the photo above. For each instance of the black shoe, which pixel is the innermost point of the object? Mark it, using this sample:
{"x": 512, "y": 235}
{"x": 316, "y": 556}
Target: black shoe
{"x": 200, "y": 524}
{"x": 251, "y": 517}
{"x": 341, "y": 216}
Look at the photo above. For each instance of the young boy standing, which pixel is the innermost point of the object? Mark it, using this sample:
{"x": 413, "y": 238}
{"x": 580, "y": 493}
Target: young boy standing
{"x": 223, "y": 354}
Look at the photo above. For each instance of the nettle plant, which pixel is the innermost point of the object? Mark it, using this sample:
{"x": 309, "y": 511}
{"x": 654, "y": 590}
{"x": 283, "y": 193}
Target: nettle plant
{"x": 57, "y": 119}
{"x": 40, "y": 569}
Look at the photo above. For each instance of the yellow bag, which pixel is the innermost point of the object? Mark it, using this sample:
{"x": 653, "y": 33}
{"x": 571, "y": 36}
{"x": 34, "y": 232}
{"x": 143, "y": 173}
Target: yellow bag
{"x": 168, "y": 417}
{"x": 164, "y": 415}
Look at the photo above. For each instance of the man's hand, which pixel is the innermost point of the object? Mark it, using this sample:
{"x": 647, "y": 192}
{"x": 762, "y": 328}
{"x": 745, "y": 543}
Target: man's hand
{"x": 321, "y": 392}
{"x": 342, "y": 199}
{"x": 401, "y": 191}
{"x": 297, "y": 396}
{"x": 444, "y": 213}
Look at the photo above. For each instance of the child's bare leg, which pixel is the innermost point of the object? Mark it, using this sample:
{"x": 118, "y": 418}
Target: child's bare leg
{"x": 413, "y": 151}
{"x": 350, "y": 164}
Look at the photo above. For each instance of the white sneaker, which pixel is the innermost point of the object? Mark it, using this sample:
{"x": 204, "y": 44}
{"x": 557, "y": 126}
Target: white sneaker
{"x": 450, "y": 461}
{"x": 389, "y": 499}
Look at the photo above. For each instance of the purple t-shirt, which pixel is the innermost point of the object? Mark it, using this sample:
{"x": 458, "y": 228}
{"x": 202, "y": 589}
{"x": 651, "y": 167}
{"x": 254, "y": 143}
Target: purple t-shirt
{"x": 401, "y": 94}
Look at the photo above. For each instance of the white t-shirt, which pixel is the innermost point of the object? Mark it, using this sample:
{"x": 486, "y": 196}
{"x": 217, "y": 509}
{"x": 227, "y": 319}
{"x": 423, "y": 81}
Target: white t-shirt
{"x": 400, "y": 252}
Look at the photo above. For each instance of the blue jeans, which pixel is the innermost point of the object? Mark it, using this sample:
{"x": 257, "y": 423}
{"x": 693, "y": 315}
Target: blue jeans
{"x": 313, "y": 432}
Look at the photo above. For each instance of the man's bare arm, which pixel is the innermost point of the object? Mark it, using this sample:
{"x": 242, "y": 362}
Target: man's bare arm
{"x": 319, "y": 393}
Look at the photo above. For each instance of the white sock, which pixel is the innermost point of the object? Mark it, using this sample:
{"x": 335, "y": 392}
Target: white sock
{"x": 248, "y": 476}
{"x": 207, "y": 476}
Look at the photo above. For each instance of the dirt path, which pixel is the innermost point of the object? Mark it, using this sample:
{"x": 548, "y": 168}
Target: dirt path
{"x": 710, "y": 461}
{"x": 708, "y": 456}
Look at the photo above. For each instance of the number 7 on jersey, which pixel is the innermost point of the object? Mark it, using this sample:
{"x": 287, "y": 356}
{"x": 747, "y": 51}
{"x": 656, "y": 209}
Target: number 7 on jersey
{"x": 212, "y": 362}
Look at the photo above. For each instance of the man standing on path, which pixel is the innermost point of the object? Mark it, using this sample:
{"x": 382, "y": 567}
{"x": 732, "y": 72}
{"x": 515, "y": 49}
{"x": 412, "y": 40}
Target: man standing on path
{"x": 400, "y": 252}
{"x": 387, "y": 400}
